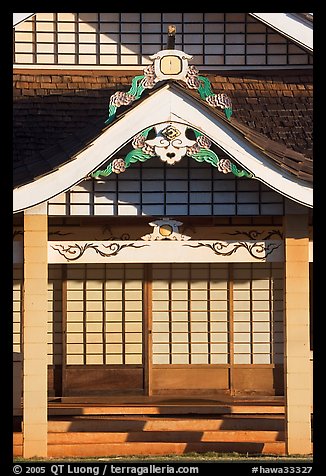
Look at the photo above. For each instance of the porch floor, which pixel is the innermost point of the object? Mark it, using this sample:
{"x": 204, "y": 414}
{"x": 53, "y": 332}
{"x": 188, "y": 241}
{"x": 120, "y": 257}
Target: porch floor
{"x": 165, "y": 405}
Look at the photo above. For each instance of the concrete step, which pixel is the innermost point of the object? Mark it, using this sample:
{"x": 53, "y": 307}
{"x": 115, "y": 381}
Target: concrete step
{"x": 129, "y": 424}
{"x": 162, "y": 448}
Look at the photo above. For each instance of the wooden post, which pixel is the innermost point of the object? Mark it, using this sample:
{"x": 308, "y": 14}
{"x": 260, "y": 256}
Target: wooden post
{"x": 297, "y": 342}
{"x": 35, "y": 305}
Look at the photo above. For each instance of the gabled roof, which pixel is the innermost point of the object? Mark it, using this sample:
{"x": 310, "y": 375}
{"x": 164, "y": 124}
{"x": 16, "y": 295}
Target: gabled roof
{"x": 47, "y": 109}
{"x": 294, "y": 162}
{"x": 65, "y": 165}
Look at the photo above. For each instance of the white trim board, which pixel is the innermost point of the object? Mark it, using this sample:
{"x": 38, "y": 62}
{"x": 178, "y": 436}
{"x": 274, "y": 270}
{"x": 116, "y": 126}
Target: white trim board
{"x": 297, "y": 30}
{"x": 166, "y": 104}
{"x": 20, "y": 17}
{"x": 158, "y": 251}
{"x": 166, "y": 251}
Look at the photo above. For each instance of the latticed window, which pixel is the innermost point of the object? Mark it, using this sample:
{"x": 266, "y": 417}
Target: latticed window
{"x": 153, "y": 188}
{"x": 128, "y": 39}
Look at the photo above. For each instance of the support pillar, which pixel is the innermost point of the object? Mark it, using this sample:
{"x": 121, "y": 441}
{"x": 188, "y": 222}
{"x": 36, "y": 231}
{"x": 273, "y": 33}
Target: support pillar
{"x": 297, "y": 342}
{"x": 35, "y": 332}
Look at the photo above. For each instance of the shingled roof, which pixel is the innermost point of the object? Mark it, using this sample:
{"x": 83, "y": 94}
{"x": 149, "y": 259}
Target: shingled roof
{"x": 57, "y": 114}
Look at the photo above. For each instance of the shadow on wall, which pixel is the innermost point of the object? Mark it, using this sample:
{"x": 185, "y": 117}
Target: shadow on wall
{"x": 17, "y": 382}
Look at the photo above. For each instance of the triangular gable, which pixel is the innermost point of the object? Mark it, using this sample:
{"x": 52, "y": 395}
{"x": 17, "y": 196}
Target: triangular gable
{"x": 169, "y": 103}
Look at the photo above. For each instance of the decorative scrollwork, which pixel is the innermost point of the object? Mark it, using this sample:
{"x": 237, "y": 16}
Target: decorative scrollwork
{"x": 107, "y": 230}
{"x": 256, "y": 250}
{"x": 75, "y": 251}
{"x": 255, "y": 234}
{"x": 59, "y": 233}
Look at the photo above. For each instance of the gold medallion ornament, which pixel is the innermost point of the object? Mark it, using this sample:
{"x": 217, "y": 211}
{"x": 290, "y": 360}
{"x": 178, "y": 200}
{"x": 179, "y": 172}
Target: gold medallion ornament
{"x": 165, "y": 229}
{"x": 170, "y": 132}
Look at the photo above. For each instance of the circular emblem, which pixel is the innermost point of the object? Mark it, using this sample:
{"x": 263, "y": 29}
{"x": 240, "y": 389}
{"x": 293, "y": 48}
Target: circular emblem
{"x": 166, "y": 230}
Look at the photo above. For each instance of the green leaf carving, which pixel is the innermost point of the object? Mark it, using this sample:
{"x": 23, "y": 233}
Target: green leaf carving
{"x": 136, "y": 90}
{"x": 136, "y": 155}
{"x": 205, "y": 88}
{"x": 209, "y": 156}
{"x": 146, "y": 131}
{"x": 240, "y": 173}
{"x": 228, "y": 112}
{"x": 206, "y": 155}
{"x": 103, "y": 173}
{"x": 112, "y": 112}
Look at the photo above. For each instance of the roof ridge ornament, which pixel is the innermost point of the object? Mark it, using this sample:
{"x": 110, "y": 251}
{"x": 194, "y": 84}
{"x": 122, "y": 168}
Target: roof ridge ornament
{"x": 171, "y": 37}
{"x": 169, "y": 64}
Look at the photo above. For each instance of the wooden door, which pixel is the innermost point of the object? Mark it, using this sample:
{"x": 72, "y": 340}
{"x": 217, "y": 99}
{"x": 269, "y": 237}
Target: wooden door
{"x": 217, "y": 328}
{"x": 190, "y": 328}
{"x": 103, "y": 330}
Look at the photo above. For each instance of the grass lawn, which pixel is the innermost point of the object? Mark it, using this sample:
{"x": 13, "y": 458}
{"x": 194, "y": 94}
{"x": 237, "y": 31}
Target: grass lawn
{"x": 190, "y": 457}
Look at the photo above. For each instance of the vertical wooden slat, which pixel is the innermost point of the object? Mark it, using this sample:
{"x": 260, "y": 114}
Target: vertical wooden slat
{"x": 103, "y": 314}
{"x": 34, "y": 29}
{"x": 189, "y": 315}
{"x": 84, "y": 315}
{"x": 209, "y": 361}
{"x": 170, "y": 314}
{"x": 271, "y": 313}
{"x": 147, "y": 328}
{"x": 55, "y": 34}
{"x": 251, "y": 316}
{"x": 123, "y": 312}
{"x": 64, "y": 328}
{"x": 231, "y": 329}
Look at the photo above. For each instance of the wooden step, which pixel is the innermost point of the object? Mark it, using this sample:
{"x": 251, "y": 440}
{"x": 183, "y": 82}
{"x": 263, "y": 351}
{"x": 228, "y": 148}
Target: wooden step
{"x": 73, "y": 409}
{"x": 162, "y": 448}
{"x": 170, "y": 399}
{"x": 128, "y": 424}
{"x": 159, "y": 449}
{"x": 76, "y": 438}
